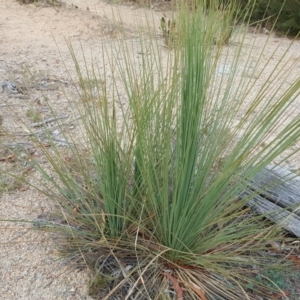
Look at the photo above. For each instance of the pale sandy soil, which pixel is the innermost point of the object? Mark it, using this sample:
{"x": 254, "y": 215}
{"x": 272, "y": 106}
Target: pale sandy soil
{"x": 34, "y": 38}
{"x": 33, "y": 56}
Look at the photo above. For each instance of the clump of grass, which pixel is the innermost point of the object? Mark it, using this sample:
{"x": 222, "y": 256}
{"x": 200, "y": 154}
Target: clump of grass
{"x": 157, "y": 196}
{"x": 13, "y": 170}
{"x": 168, "y": 29}
{"x": 221, "y": 33}
{"x": 34, "y": 115}
{"x": 2, "y": 129}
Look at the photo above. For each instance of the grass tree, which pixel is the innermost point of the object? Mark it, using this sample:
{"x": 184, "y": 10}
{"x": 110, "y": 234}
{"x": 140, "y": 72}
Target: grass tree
{"x": 170, "y": 146}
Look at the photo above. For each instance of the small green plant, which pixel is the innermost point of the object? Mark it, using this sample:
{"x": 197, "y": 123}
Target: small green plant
{"x": 278, "y": 279}
{"x": 168, "y": 29}
{"x": 98, "y": 283}
{"x": 2, "y": 129}
{"x": 13, "y": 172}
{"x": 272, "y": 278}
{"x": 34, "y": 115}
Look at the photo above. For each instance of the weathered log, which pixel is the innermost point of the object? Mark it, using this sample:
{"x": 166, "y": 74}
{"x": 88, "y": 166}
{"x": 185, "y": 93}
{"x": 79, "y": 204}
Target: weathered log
{"x": 279, "y": 186}
{"x": 277, "y": 196}
{"x": 283, "y": 217}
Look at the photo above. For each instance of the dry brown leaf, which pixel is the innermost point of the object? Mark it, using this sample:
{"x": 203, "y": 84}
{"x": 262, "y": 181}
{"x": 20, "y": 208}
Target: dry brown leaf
{"x": 197, "y": 290}
{"x": 295, "y": 259}
{"x": 281, "y": 294}
{"x": 23, "y": 188}
{"x": 10, "y": 158}
{"x": 176, "y": 285}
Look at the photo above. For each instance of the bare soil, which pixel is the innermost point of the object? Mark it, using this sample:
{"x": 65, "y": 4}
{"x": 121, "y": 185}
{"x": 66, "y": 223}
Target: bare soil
{"x": 36, "y": 67}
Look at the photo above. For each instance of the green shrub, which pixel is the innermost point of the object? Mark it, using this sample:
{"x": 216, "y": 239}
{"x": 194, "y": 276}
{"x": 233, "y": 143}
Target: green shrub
{"x": 283, "y": 15}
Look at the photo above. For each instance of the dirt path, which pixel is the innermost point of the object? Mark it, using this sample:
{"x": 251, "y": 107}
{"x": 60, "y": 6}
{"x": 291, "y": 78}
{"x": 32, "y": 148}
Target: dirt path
{"x": 33, "y": 60}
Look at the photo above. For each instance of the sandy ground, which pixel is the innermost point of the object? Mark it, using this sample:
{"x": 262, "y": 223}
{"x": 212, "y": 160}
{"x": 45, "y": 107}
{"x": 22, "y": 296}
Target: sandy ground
{"x": 34, "y": 52}
{"x": 34, "y": 56}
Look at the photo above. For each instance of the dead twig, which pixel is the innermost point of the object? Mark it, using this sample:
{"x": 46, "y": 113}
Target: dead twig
{"x": 46, "y": 121}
